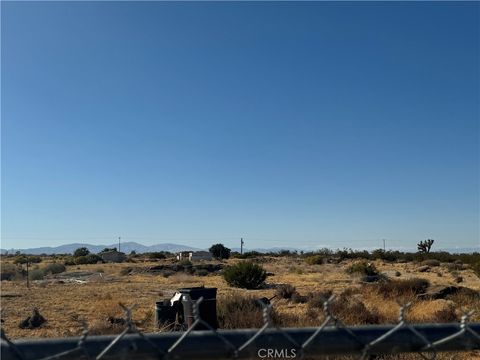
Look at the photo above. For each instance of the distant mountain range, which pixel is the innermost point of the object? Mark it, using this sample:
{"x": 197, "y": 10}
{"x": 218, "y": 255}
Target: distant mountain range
{"x": 128, "y": 247}
{"x": 125, "y": 247}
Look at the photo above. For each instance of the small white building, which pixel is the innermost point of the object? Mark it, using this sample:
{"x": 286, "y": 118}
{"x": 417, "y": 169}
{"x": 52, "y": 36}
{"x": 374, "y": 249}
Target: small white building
{"x": 183, "y": 255}
{"x": 195, "y": 255}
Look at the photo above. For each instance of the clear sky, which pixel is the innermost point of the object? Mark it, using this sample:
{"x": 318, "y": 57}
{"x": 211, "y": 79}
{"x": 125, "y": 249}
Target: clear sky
{"x": 290, "y": 124}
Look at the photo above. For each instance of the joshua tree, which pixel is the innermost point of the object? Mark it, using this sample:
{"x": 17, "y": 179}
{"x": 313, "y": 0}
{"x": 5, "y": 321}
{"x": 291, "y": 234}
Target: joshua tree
{"x": 424, "y": 246}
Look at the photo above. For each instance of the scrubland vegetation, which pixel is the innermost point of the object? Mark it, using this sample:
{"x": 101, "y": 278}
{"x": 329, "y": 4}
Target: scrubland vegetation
{"x": 367, "y": 287}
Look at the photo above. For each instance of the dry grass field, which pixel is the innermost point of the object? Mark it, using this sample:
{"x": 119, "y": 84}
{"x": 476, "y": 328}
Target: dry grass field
{"x": 66, "y": 304}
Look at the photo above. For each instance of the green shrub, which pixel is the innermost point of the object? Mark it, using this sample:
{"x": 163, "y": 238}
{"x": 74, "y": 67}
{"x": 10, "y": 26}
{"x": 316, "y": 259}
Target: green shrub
{"x": 156, "y": 255}
{"x": 385, "y": 255}
{"x": 22, "y": 259}
{"x": 83, "y": 251}
{"x": 89, "y": 259}
{"x": 314, "y": 260}
{"x": 362, "y": 268}
{"x": 69, "y": 261}
{"x": 246, "y": 255}
{"x": 36, "y": 274}
{"x": 245, "y": 275}
{"x": 219, "y": 251}
{"x": 80, "y": 260}
{"x": 54, "y": 268}
{"x": 93, "y": 259}
{"x": 10, "y": 272}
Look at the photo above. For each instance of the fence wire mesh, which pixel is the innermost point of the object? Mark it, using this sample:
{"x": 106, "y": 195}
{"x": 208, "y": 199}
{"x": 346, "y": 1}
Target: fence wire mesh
{"x": 331, "y": 338}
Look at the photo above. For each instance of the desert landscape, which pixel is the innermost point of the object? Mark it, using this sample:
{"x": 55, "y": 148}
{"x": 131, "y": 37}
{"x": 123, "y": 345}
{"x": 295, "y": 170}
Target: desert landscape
{"x": 296, "y": 285}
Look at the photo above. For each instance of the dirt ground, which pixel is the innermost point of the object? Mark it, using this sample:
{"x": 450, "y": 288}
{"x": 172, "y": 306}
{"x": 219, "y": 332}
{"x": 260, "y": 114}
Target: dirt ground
{"x": 66, "y": 304}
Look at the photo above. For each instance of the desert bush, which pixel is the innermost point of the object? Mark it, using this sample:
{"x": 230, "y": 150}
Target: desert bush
{"x": 316, "y": 299}
{"x": 36, "y": 274}
{"x": 185, "y": 263}
{"x": 285, "y": 291}
{"x": 431, "y": 262}
{"x": 201, "y": 272}
{"x": 385, "y": 255}
{"x": 10, "y": 272}
{"x": 407, "y": 287}
{"x": 445, "y": 316}
{"x": 454, "y": 267}
{"x": 246, "y": 255}
{"x": 99, "y": 270}
{"x": 299, "y": 299}
{"x": 362, "y": 268}
{"x": 80, "y": 260}
{"x": 89, "y": 259}
{"x": 156, "y": 255}
{"x": 54, "y": 268}
{"x": 352, "y": 311}
{"x": 239, "y": 312}
{"x": 353, "y": 254}
{"x": 245, "y": 274}
{"x": 476, "y": 268}
{"x": 93, "y": 259}
{"x": 83, "y": 251}
{"x": 22, "y": 259}
{"x": 314, "y": 260}
{"x": 69, "y": 261}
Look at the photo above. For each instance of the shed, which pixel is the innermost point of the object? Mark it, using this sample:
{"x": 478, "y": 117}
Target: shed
{"x": 200, "y": 255}
{"x": 183, "y": 255}
{"x": 113, "y": 256}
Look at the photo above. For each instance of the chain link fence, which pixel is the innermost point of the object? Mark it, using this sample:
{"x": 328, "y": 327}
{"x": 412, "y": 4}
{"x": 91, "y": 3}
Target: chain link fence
{"x": 331, "y": 338}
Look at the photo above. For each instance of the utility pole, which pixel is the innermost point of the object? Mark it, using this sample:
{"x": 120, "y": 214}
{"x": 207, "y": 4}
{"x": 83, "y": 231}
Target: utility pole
{"x": 241, "y": 245}
{"x": 383, "y": 245}
{"x": 119, "y": 243}
{"x": 28, "y": 283}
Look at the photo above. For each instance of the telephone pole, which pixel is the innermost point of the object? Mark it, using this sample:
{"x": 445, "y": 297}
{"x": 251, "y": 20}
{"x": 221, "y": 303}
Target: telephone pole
{"x": 119, "y": 243}
{"x": 28, "y": 283}
{"x": 383, "y": 245}
{"x": 241, "y": 245}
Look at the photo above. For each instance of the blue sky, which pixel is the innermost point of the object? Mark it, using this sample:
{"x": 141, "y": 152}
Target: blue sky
{"x": 290, "y": 124}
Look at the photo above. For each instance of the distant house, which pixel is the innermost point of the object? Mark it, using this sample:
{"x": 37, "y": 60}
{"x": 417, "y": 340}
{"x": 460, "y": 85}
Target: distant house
{"x": 113, "y": 256}
{"x": 200, "y": 255}
{"x": 194, "y": 255}
{"x": 183, "y": 255}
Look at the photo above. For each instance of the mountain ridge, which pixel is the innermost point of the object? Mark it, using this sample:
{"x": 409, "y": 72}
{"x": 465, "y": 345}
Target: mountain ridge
{"x": 125, "y": 247}
{"x": 130, "y": 246}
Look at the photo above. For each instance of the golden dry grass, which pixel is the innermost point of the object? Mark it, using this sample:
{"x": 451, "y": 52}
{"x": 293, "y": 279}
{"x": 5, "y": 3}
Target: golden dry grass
{"x": 66, "y": 305}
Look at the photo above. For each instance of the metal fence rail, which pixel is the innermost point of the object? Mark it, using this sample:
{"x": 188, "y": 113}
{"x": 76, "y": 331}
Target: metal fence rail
{"x": 332, "y": 337}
